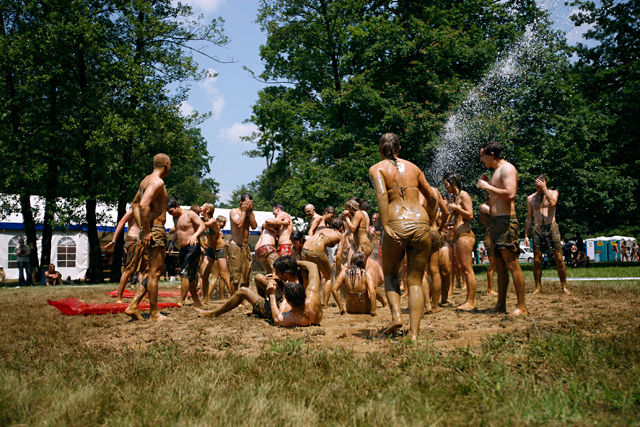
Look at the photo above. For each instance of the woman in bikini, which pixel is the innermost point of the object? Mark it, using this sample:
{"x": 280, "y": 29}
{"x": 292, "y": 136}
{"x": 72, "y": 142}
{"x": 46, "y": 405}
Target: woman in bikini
{"x": 216, "y": 253}
{"x": 461, "y": 213}
{"x": 358, "y": 223}
{"x": 406, "y": 226}
{"x": 360, "y": 289}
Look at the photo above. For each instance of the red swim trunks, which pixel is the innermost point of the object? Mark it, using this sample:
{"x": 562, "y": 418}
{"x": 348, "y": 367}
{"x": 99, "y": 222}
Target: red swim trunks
{"x": 285, "y": 249}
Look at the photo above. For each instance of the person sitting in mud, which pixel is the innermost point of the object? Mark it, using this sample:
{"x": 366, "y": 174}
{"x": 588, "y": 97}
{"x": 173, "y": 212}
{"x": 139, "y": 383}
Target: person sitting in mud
{"x": 266, "y": 252}
{"x": 320, "y": 221}
{"x": 461, "y": 211}
{"x": 358, "y": 223}
{"x": 314, "y": 250}
{"x": 52, "y": 276}
{"x": 189, "y": 227}
{"x": 297, "y": 240}
{"x": 288, "y": 303}
{"x": 215, "y": 254}
{"x": 541, "y": 209}
{"x": 360, "y": 289}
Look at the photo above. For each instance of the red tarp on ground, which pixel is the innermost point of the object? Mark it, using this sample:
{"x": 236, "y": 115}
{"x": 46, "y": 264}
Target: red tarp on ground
{"x": 131, "y": 294}
{"x": 75, "y": 307}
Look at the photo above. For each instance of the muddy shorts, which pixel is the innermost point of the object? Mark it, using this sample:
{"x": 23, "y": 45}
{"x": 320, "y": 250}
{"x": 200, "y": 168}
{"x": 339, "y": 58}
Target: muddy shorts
{"x": 239, "y": 263}
{"x": 505, "y": 234}
{"x": 546, "y": 238}
{"x": 262, "y": 308}
{"x": 138, "y": 260}
{"x": 129, "y": 250}
{"x": 159, "y": 237}
{"x": 488, "y": 244}
{"x": 284, "y": 249}
{"x": 189, "y": 259}
{"x": 216, "y": 253}
{"x": 321, "y": 260}
{"x": 267, "y": 255}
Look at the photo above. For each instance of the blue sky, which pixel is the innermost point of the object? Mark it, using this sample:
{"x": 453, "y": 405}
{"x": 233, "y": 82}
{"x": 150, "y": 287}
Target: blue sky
{"x": 230, "y": 95}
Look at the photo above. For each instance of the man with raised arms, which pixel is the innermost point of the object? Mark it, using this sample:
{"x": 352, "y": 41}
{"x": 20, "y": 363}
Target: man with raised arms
{"x": 136, "y": 257}
{"x": 242, "y": 219}
{"x": 285, "y": 227}
{"x": 149, "y": 209}
{"x": 505, "y": 229}
{"x": 189, "y": 227}
{"x": 313, "y": 250}
{"x": 541, "y": 206}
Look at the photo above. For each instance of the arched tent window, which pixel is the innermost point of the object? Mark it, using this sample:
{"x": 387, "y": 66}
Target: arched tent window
{"x": 66, "y": 252}
{"x": 13, "y": 258}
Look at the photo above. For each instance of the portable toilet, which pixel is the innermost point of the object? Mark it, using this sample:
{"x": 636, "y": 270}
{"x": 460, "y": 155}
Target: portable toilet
{"x": 590, "y": 249}
{"x": 613, "y": 255}
{"x": 601, "y": 250}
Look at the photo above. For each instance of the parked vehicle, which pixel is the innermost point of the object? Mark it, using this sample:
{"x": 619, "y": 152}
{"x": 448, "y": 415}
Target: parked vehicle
{"x": 526, "y": 255}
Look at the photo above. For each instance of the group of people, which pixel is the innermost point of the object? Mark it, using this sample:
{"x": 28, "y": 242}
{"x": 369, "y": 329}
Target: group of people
{"x": 416, "y": 230}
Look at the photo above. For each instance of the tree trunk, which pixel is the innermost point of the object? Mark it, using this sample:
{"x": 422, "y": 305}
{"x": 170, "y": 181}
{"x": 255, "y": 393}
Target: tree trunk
{"x": 95, "y": 251}
{"x": 32, "y": 237}
{"x": 118, "y": 250}
{"x": 51, "y": 192}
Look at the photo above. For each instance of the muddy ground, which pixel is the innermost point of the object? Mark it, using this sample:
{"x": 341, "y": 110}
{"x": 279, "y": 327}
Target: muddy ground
{"x": 593, "y": 308}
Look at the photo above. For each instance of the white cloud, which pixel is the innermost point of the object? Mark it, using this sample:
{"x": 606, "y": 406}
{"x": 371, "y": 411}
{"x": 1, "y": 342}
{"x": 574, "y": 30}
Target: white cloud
{"x": 209, "y": 87}
{"x": 224, "y": 196}
{"x": 203, "y": 5}
{"x": 233, "y": 133}
{"x": 186, "y": 109}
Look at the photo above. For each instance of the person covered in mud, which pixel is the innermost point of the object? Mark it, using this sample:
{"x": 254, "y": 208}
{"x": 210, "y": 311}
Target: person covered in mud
{"x": 242, "y": 219}
{"x": 407, "y": 229}
{"x": 375, "y": 235}
{"x": 285, "y": 227}
{"x": 266, "y": 252}
{"x": 150, "y": 211}
{"x": 297, "y": 240}
{"x": 358, "y": 223}
{"x": 432, "y": 279}
{"x": 505, "y": 229}
{"x": 461, "y": 211}
{"x": 216, "y": 252}
{"x": 322, "y": 221}
{"x": 189, "y": 227}
{"x": 313, "y": 250}
{"x": 310, "y": 212}
{"x": 484, "y": 216}
{"x": 541, "y": 209}
{"x": 288, "y": 302}
{"x": 360, "y": 288}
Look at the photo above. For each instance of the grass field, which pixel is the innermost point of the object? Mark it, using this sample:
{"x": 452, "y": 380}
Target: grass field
{"x": 575, "y": 363}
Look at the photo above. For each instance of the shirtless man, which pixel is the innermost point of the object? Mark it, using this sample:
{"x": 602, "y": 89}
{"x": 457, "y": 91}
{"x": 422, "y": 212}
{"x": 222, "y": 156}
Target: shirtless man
{"x": 321, "y": 221}
{"x": 407, "y": 229}
{"x": 149, "y": 209}
{"x": 313, "y": 216}
{"x": 135, "y": 251}
{"x": 283, "y": 221}
{"x": 541, "y": 207}
{"x": 189, "y": 227}
{"x": 432, "y": 280}
{"x": 360, "y": 287}
{"x": 52, "y": 276}
{"x": 215, "y": 254}
{"x": 313, "y": 250}
{"x": 284, "y": 290}
{"x": 505, "y": 230}
{"x": 484, "y": 215}
{"x": 266, "y": 251}
{"x": 242, "y": 219}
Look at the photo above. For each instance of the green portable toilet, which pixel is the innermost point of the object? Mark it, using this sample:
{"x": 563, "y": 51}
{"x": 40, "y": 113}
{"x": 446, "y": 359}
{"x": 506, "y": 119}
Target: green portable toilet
{"x": 601, "y": 250}
{"x": 612, "y": 255}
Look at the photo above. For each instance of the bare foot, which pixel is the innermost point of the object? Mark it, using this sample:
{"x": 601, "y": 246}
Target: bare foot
{"x": 133, "y": 313}
{"x": 519, "y": 312}
{"x": 498, "y": 310}
{"x": 413, "y": 338}
{"x": 206, "y": 301}
{"x": 428, "y": 310}
{"x": 492, "y": 293}
{"x": 157, "y": 317}
{"x": 392, "y": 328}
{"x": 537, "y": 291}
{"x": 566, "y": 291}
{"x": 204, "y": 313}
{"x": 435, "y": 308}
{"x": 118, "y": 301}
{"x": 467, "y": 306}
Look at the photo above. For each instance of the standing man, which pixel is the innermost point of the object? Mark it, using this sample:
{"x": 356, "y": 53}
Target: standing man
{"x": 242, "y": 219}
{"x": 541, "y": 206}
{"x": 150, "y": 211}
{"x": 322, "y": 221}
{"x": 266, "y": 252}
{"x": 313, "y": 216}
{"x": 24, "y": 265}
{"x": 505, "y": 229}
{"x": 136, "y": 257}
{"x": 283, "y": 221}
{"x": 189, "y": 227}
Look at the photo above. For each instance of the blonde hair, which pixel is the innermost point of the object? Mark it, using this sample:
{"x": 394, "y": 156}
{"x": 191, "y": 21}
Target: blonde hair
{"x": 208, "y": 209}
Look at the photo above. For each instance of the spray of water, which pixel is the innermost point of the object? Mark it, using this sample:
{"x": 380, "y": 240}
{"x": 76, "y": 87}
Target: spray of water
{"x": 475, "y": 120}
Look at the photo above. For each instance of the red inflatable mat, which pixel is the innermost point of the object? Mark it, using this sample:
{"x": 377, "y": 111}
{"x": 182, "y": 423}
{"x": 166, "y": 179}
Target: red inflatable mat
{"x": 131, "y": 294}
{"x": 75, "y": 307}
